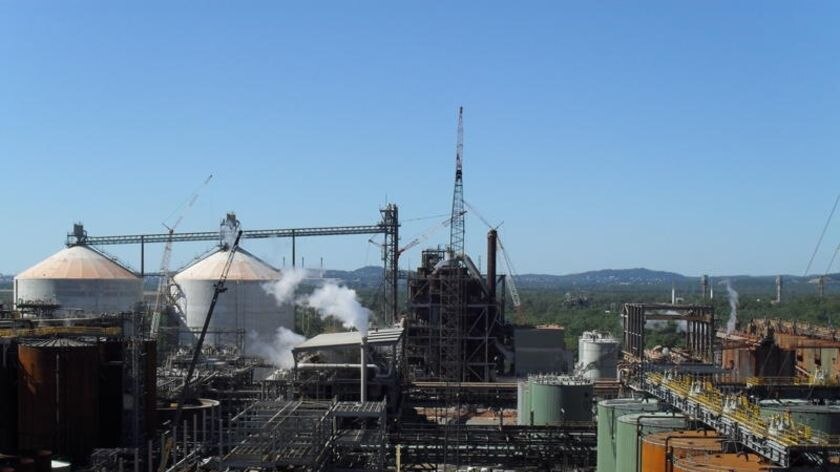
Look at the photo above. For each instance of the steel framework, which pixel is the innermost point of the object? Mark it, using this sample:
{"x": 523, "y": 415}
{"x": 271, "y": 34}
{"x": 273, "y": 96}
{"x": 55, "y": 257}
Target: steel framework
{"x": 699, "y": 330}
{"x": 388, "y": 226}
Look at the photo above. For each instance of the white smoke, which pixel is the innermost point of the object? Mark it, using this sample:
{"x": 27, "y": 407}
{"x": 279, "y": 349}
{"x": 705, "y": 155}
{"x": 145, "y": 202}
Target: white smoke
{"x": 733, "y": 307}
{"x": 279, "y": 350}
{"x": 283, "y": 290}
{"x": 331, "y": 299}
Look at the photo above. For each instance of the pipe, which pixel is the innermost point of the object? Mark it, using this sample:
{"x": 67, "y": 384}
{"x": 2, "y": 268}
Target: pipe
{"x": 492, "y": 237}
{"x": 363, "y": 370}
{"x": 316, "y": 366}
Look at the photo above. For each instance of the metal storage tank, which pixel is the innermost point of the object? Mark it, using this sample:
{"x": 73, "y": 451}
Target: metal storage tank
{"x": 741, "y": 462}
{"x": 681, "y": 444}
{"x": 824, "y": 418}
{"x": 523, "y": 403}
{"x": 556, "y": 400}
{"x": 630, "y": 429}
{"x": 80, "y": 280}
{"x": 608, "y": 412}
{"x": 598, "y": 354}
{"x": 8, "y": 397}
{"x": 58, "y": 397}
{"x": 245, "y": 308}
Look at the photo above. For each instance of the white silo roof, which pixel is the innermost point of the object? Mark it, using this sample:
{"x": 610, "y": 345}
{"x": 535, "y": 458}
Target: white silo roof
{"x": 77, "y": 262}
{"x": 245, "y": 266}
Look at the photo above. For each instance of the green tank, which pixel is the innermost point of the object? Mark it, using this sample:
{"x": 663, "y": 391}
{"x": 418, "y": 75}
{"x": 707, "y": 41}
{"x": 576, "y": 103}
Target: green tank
{"x": 608, "y": 412}
{"x": 630, "y": 429}
{"x": 821, "y": 418}
{"x": 523, "y": 403}
{"x": 557, "y": 400}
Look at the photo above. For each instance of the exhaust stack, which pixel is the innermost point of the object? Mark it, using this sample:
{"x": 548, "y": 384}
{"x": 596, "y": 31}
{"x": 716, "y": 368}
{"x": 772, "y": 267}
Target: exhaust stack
{"x": 491, "y": 263}
{"x": 363, "y": 371}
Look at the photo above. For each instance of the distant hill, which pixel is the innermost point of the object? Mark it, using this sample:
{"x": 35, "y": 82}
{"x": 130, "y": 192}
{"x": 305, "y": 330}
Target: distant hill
{"x": 606, "y": 277}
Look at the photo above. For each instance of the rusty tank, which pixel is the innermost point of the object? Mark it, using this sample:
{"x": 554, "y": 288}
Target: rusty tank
{"x": 680, "y": 443}
{"x": 58, "y": 397}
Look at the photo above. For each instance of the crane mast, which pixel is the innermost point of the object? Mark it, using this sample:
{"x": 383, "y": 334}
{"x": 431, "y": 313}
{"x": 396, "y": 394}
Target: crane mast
{"x": 456, "y": 236}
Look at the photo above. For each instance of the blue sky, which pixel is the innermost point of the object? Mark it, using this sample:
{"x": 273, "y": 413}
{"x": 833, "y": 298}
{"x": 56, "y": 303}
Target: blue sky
{"x": 698, "y": 137}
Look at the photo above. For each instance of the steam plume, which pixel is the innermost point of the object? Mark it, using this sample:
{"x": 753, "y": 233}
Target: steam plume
{"x": 733, "y": 307}
{"x": 279, "y": 350}
{"x": 283, "y": 290}
{"x": 331, "y": 299}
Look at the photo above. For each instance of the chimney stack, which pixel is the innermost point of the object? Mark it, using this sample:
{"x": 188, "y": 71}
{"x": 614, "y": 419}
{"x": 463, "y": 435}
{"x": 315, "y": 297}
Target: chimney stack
{"x": 491, "y": 263}
{"x": 363, "y": 372}
{"x": 778, "y": 289}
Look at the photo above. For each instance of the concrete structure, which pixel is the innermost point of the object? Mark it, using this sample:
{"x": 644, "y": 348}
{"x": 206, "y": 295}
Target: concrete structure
{"x": 540, "y": 350}
{"x": 246, "y": 312}
{"x": 598, "y": 353}
{"x": 78, "y": 280}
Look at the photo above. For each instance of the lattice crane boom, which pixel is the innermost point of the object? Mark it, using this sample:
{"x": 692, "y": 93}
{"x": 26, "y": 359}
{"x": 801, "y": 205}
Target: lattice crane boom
{"x": 456, "y": 235}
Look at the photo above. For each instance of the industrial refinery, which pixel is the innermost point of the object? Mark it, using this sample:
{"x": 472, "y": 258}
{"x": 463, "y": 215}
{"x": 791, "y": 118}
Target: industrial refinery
{"x": 211, "y": 369}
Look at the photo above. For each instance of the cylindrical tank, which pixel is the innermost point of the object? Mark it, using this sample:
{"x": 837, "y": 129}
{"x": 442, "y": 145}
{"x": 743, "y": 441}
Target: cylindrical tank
{"x": 741, "y": 462}
{"x": 608, "y": 412}
{"x": 81, "y": 281}
{"x": 8, "y": 397}
{"x": 556, "y": 400}
{"x": 598, "y": 354}
{"x": 523, "y": 403}
{"x": 823, "y": 418}
{"x": 247, "y": 307}
{"x": 58, "y": 397}
{"x": 632, "y": 428}
{"x": 680, "y": 443}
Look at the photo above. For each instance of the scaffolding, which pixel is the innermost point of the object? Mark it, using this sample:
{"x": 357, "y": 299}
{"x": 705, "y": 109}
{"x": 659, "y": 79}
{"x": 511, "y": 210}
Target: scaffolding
{"x": 453, "y": 323}
{"x": 306, "y": 436}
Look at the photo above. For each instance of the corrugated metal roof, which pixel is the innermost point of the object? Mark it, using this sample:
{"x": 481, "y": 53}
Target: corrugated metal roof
{"x": 351, "y": 338}
{"x": 245, "y": 266}
{"x": 77, "y": 262}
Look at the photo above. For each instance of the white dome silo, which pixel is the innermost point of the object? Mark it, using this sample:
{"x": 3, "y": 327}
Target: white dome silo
{"x": 81, "y": 281}
{"x": 244, "y": 310}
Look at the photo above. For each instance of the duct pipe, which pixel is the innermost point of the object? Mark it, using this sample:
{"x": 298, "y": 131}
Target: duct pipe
{"x": 363, "y": 370}
{"x": 492, "y": 237}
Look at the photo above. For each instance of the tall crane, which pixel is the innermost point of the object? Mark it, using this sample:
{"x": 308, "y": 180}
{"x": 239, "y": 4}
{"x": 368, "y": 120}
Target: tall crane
{"x": 163, "y": 278}
{"x": 218, "y": 289}
{"x": 456, "y": 235}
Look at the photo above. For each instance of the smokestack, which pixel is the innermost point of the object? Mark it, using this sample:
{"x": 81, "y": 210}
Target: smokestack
{"x": 704, "y": 285}
{"x": 673, "y": 296}
{"x": 363, "y": 372}
{"x": 491, "y": 263}
{"x": 778, "y": 289}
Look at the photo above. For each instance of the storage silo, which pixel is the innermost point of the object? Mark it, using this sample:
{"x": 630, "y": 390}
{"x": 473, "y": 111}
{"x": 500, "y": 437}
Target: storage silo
{"x": 608, "y": 413}
{"x": 631, "y": 429}
{"x": 79, "y": 280}
{"x": 246, "y": 310}
{"x": 58, "y": 397}
{"x": 598, "y": 354}
{"x": 556, "y": 400}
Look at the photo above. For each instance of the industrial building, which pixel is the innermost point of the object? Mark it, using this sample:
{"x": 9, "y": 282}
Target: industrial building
{"x": 91, "y": 380}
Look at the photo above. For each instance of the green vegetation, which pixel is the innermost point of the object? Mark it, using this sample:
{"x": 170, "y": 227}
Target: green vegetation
{"x": 603, "y": 308}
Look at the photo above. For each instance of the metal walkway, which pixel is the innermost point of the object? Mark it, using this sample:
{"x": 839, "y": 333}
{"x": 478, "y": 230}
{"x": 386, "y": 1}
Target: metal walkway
{"x": 779, "y": 438}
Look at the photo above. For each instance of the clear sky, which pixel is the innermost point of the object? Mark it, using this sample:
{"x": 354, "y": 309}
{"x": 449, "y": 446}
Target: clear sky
{"x": 699, "y": 137}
